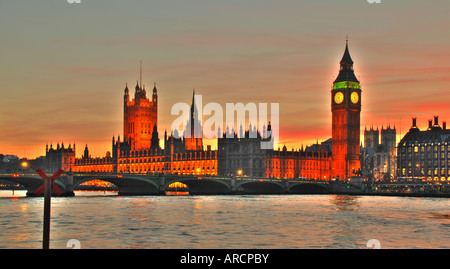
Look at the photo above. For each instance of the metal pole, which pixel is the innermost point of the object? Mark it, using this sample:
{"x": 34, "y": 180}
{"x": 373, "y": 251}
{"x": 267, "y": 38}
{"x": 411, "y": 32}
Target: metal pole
{"x": 47, "y": 205}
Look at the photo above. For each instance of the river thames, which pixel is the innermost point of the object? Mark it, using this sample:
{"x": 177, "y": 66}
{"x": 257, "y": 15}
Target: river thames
{"x": 106, "y": 221}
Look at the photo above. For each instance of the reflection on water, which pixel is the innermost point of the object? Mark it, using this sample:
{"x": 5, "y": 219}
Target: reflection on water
{"x": 345, "y": 202}
{"x": 78, "y": 193}
{"x": 12, "y": 193}
{"x": 247, "y": 221}
{"x": 82, "y": 193}
{"x": 439, "y": 216}
{"x": 177, "y": 193}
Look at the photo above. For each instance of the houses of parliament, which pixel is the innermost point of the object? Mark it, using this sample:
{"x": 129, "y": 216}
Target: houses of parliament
{"x": 139, "y": 151}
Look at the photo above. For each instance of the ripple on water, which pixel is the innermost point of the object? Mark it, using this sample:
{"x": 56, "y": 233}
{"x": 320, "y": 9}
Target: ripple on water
{"x": 278, "y": 221}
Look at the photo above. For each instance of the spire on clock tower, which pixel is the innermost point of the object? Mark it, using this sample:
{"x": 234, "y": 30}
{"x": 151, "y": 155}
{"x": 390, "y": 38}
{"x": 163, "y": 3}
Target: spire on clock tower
{"x": 346, "y": 71}
{"x": 346, "y": 58}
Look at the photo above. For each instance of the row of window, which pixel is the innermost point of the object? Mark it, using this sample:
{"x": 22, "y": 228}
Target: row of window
{"x": 424, "y": 172}
{"x": 423, "y": 163}
{"x": 142, "y": 153}
{"x": 152, "y": 160}
{"x": 278, "y": 164}
{"x": 194, "y": 169}
{"x": 428, "y": 148}
{"x": 422, "y": 155}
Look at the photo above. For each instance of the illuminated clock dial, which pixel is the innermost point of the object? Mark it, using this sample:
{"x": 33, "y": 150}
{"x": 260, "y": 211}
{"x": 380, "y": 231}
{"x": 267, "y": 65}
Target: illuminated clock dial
{"x": 339, "y": 97}
{"x": 354, "y": 97}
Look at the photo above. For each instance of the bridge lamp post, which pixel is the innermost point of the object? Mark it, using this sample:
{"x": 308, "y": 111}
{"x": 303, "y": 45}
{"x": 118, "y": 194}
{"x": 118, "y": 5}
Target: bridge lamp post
{"x": 233, "y": 179}
{"x": 24, "y": 165}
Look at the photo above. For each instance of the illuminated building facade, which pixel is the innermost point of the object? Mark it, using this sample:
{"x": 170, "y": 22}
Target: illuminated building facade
{"x": 310, "y": 164}
{"x": 140, "y": 151}
{"x": 425, "y": 154}
{"x": 140, "y": 117}
{"x": 242, "y": 155}
{"x": 89, "y": 164}
{"x": 346, "y": 110}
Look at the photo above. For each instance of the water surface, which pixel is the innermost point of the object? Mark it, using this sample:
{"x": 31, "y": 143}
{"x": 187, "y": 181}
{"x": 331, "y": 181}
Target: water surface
{"x": 105, "y": 220}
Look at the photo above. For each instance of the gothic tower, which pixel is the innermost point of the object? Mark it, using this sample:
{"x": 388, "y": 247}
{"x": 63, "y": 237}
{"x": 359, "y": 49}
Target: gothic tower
{"x": 140, "y": 117}
{"x": 371, "y": 137}
{"x": 389, "y": 138}
{"x": 346, "y": 111}
{"x": 193, "y": 131}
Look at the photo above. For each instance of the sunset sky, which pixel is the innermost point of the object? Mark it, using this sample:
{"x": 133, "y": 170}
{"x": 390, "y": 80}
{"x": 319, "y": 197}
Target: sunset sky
{"x": 63, "y": 67}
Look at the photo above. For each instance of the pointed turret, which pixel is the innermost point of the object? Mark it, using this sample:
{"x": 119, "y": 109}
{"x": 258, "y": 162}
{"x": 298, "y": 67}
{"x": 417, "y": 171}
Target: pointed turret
{"x": 346, "y": 58}
{"x": 127, "y": 91}
{"x": 86, "y": 152}
{"x": 137, "y": 88}
{"x": 194, "y": 118}
{"x": 346, "y": 71}
{"x": 193, "y": 133}
{"x": 155, "y": 138}
{"x": 155, "y": 94}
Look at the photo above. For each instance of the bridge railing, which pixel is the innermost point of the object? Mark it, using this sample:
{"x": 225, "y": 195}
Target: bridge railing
{"x": 269, "y": 179}
{"x": 19, "y": 174}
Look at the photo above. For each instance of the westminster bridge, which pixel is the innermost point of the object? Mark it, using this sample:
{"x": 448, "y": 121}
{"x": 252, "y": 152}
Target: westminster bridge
{"x": 158, "y": 184}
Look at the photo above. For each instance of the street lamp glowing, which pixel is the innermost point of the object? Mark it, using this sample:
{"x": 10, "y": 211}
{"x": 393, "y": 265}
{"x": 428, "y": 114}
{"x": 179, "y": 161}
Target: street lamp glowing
{"x": 239, "y": 172}
{"x": 24, "y": 164}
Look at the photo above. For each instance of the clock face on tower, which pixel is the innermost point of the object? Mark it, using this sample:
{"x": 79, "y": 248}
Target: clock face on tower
{"x": 338, "y": 97}
{"x": 354, "y": 97}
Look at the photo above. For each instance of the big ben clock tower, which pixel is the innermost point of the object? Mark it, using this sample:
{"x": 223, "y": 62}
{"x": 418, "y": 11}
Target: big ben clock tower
{"x": 346, "y": 111}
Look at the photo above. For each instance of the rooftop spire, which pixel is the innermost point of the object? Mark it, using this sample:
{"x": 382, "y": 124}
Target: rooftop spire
{"x": 346, "y": 71}
{"x": 126, "y": 89}
{"x": 154, "y": 88}
{"x": 346, "y": 59}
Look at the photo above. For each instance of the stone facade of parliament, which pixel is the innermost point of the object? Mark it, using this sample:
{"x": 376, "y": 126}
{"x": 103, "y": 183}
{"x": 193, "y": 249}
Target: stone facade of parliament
{"x": 139, "y": 150}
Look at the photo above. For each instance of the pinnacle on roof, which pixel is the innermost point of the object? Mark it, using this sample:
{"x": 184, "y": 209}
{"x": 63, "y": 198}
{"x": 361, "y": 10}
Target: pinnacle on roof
{"x": 346, "y": 72}
{"x": 346, "y": 58}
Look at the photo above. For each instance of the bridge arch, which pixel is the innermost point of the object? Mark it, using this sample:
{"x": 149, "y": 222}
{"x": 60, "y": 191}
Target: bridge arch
{"x": 307, "y": 188}
{"x": 127, "y": 185}
{"x": 199, "y": 185}
{"x": 258, "y": 187}
{"x": 95, "y": 184}
{"x": 31, "y": 183}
